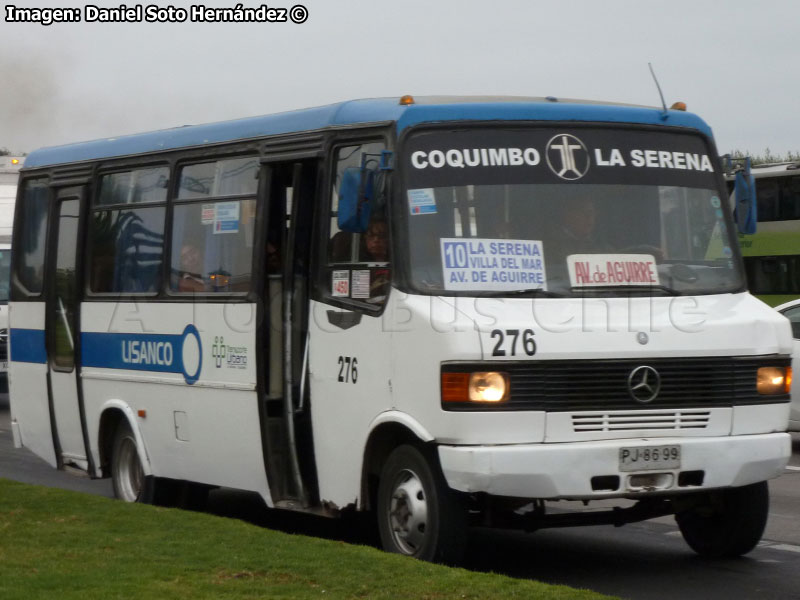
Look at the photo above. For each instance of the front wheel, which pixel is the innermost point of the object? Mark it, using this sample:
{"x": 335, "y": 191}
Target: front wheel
{"x": 418, "y": 514}
{"x": 728, "y": 522}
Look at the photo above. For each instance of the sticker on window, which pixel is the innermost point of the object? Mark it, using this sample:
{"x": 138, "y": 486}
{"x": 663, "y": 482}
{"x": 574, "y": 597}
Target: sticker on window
{"x": 422, "y": 201}
{"x": 598, "y": 270}
{"x": 493, "y": 265}
{"x": 207, "y": 214}
{"x": 360, "y": 284}
{"x": 340, "y": 284}
{"x": 226, "y": 217}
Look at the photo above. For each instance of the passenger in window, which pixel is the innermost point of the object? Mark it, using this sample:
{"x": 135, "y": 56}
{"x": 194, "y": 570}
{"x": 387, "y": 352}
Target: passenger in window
{"x": 191, "y": 272}
{"x": 579, "y": 234}
{"x": 578, "y": 227}
{"x": 376, "y": 249}
{"x": 376, "y": 241}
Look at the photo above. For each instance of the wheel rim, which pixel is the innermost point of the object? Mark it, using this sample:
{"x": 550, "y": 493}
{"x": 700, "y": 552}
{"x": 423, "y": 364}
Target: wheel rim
{"x": 130, "y": 476}
{"x": 408, "y": 512}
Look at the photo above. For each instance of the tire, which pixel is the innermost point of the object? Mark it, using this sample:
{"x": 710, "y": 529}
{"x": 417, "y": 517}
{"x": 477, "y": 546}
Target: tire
{"x": 727, "y": 523}
{"x": 418, "y": 514}
{"x": 127, "y": 475}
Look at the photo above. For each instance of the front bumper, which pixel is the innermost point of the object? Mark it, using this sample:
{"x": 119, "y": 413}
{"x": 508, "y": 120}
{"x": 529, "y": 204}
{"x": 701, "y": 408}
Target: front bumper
{"x": 565, "y": 471}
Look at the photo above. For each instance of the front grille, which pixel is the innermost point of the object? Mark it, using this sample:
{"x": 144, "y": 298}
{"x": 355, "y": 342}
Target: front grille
{"x": 680, "y": 420}
{"x": 580, "y": 385}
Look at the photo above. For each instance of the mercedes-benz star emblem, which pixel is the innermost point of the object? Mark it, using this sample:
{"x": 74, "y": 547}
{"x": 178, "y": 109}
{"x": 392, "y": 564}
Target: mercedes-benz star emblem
{"x": 567, "y": 156}
{"x": 644, "y": 383}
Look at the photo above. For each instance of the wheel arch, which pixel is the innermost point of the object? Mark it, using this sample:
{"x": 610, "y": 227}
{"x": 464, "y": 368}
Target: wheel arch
{"x": 388, "y": 431}
{"x": 112, "y": 414}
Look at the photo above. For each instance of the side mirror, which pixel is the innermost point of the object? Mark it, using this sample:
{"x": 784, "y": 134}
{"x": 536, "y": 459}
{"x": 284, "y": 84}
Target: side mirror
{"x": 358, "y": 189}
{"x": 744, "y": 192}
{"x": 355, "y": 195}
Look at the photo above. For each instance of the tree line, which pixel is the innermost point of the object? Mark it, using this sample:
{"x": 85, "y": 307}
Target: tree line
{"x": 767, "y": 157}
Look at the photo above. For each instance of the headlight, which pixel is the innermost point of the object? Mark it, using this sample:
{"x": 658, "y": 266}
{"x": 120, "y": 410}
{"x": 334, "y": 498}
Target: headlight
{"x": 774, "y": 380}
{"x": 479, "y": 386}
{"x": 488, "y": 386}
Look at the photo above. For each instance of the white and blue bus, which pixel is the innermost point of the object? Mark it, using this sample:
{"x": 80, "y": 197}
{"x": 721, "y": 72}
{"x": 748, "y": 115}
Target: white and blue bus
{"x": 771, "y": 249}
{"x": 442, "y": 310}
{"x": 9, "y": 174}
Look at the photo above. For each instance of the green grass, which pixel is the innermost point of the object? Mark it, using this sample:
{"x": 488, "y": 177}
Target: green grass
{"x": 58, "y": 544}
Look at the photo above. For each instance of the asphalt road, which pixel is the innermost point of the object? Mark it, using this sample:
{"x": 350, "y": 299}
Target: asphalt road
{"x": 646, "y": 560}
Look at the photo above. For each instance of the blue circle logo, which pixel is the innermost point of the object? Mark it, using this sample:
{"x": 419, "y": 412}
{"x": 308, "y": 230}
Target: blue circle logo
{"x": 191, "y": 353}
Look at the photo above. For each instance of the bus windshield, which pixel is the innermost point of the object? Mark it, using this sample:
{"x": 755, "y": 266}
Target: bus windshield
{"x": 565, "y": 213}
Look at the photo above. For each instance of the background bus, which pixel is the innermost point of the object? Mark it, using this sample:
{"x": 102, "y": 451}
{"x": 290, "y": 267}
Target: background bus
{"x": 772, "y": 254}
{"x": 9, "y": 175}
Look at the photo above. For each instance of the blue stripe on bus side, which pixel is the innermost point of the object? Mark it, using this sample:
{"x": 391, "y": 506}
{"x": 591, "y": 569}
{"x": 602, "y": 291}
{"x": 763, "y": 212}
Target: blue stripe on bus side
{"x": 140, "y": 352}
{"x": 143, "y": 352}
{"x": 27, "y": 345}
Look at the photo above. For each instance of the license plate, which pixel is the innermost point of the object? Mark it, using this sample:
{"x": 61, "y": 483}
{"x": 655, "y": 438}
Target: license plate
{"x": 649, "y": 458}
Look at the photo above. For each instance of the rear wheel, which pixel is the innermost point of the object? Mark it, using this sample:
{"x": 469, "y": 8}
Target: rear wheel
{"x": 127, "y": 475}
{"x": 728, "y": 522}
{"x": 418, "y": 514}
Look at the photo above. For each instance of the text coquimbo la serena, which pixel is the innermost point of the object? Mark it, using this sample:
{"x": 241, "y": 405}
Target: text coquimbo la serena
{"x": 153, "y": 13}
{"x": 500, "y": 157}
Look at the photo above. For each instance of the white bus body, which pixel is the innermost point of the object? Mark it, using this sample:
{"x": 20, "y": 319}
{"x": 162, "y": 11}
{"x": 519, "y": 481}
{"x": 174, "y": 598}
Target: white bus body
{"x": 506, "y": 365}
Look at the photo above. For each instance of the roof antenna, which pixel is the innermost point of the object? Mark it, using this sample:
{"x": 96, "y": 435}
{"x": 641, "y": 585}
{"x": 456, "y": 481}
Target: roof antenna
{"x": 660, "y": 93}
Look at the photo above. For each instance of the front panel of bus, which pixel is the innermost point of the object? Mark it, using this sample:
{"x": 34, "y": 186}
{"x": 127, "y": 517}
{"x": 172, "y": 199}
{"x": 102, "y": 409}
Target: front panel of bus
{"x": 580, "y": 285}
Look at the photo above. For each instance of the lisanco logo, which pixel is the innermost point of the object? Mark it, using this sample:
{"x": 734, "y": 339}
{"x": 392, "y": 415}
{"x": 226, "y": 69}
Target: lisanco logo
{"x": 567, "y": 156}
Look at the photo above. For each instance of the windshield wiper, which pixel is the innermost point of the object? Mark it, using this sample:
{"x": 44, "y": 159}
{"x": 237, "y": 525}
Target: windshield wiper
{"x": 668, "y": 291}
{"x": 534, "y": 293}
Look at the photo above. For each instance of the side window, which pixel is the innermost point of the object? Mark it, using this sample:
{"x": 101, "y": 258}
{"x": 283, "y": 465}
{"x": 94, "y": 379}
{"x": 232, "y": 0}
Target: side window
{"x": 767, "y": 195}
{"x": 127, "y": 232}
{"x": 63, "y": 330}
{"x": 144, "y": 186}
{"x": 213, "y": 227}
{"x": 773, "y": 274}
{"x": 790, "y": 198}
{"x": 358, "y": 264}
{"x": 33, "y": 235}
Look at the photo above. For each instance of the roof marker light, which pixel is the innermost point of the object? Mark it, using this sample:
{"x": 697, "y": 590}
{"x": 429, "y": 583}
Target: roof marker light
{"x": 679, "y": 106}
{"x": 406, "y": 100}
{"x": 14, "y": 161}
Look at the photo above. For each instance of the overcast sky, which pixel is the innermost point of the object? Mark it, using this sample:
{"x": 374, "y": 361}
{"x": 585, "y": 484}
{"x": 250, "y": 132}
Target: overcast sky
{"x": 735, "y": 63}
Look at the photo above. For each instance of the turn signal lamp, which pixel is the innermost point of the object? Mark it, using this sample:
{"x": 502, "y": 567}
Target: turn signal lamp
{"x": 14, "y": 161}
{"x": 480, "y": 386}
{"x": 406, "y": 100}
{"x": 774, "y": 380}
{"x": 679, "y": 106}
